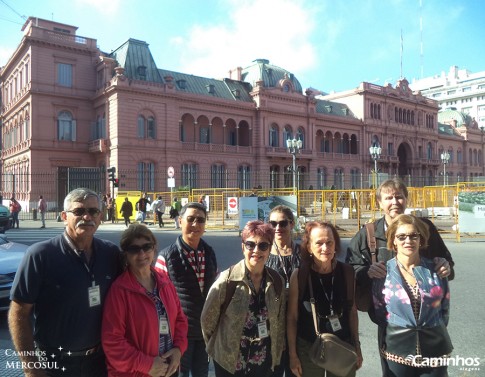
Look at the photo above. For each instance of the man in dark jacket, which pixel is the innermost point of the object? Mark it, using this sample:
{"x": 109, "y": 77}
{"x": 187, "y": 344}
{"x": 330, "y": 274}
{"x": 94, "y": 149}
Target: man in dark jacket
{"x": 191, "y": 264}
{"x": 392, "y": 196}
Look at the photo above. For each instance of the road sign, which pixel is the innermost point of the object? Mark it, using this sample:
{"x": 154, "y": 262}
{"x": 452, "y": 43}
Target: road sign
{"x": 171, "y": 182}
{"x": 170, "y": 172}
{"x": 231, "y": 205}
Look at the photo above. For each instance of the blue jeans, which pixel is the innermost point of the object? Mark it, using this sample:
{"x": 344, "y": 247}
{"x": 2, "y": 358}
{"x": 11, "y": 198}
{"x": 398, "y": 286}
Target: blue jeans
{"x": 195, "y": 360}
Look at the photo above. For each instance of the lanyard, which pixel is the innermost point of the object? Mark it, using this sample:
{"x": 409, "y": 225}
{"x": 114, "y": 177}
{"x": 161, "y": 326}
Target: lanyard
{"x": 81, "y": 256}
{"x": 287, "y": 279}
{"x": 329, "y": 299}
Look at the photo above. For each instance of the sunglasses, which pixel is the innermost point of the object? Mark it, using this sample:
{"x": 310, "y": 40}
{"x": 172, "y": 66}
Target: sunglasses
{"x": 412, "y": 236}
{"x": 94, "y": 212}
{"x": 134, "y": 249}
{"x": 197, "y": 219}
{"x": 262, "y": 246}
{"x": 282, "y": 223}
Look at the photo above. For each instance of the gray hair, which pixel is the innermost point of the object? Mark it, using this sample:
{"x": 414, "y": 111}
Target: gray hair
{"x": 79, "y": 195}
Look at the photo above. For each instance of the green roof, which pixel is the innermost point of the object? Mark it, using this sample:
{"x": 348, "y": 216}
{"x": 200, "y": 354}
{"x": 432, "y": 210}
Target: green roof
{"x": 333, "y": 108}
{"x": 269, "y": 74}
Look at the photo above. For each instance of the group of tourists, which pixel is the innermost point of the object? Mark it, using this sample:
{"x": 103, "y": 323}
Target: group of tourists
{"x": 143, "y": 310}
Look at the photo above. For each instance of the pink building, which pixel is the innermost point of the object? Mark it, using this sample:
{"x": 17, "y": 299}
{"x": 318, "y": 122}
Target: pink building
{"x": 69, "y": 111}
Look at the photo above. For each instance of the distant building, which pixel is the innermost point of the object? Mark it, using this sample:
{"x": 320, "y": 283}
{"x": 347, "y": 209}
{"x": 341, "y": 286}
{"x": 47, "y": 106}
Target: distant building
{"x": 70, "y": 110}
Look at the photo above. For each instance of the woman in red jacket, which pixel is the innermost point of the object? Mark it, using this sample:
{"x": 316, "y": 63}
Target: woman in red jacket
{"x": 144, "y": 329}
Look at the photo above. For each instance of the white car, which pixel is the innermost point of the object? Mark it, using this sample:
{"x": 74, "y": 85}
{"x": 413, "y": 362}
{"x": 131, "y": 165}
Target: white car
{"x": 11, "y": 253}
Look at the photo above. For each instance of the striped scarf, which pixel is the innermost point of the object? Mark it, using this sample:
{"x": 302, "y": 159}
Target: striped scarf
{"x": 197, "y": 262}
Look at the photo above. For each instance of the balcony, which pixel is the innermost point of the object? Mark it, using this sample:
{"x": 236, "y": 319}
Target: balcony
{"x": 98, "y": 146}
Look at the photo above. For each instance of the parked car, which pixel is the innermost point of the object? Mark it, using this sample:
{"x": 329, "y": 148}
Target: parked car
{"x": 5, "y": 218}
{"x": 11, "y": 253}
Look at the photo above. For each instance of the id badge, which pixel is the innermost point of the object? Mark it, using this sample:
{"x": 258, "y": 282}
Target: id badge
{"x": 163, "y": 326}
{"x": 94, "y": 296}
{"x": 335, "y": 323}
{"x": 262, "y": 330}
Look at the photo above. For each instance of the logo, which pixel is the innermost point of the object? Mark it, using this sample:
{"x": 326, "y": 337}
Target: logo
{"x": 464, "y": 363}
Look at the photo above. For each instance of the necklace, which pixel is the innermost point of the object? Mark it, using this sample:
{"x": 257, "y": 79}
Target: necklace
{"x": 284, "y": 252}
{"x": 410, "y": 273}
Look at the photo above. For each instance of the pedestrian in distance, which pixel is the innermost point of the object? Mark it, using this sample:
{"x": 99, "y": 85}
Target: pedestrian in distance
{"x": 192, "y": 266}
{"x": 15, "y": 208}
{"x": 42, "y": 209}
{"x": 159, "y": 209}
{"x": 126, "y": 211}
{"x": 59, "y": 291}
{"x": 175, "y": 212}
{"x": 144, "y": 329}
{"x": 142, "y": 206}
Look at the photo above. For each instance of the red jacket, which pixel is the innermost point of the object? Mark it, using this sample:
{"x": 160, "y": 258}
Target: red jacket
{"x": 130, "y": 333}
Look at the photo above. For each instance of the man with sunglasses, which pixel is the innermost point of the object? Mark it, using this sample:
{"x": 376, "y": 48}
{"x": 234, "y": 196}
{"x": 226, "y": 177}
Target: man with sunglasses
{"x": 192, "y": 266}
{"x": 392, "y": 196}
{"x": 63, "y": 282}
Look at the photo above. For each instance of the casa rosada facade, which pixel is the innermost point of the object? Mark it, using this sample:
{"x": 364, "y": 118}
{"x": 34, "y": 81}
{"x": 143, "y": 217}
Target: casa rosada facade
{"x": 67, "y": 105}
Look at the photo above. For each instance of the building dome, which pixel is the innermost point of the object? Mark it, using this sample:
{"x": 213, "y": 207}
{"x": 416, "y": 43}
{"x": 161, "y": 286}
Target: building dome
{"x": 271, "y": 76}
{"x": 450, "y": 115}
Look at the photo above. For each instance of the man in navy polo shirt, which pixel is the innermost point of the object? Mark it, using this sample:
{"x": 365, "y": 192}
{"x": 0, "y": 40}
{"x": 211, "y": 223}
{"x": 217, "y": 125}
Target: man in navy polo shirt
{"x": 63, "y": 282}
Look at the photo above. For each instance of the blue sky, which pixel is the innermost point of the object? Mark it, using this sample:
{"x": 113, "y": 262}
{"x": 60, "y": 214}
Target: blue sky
{"x": 328, "y": 45}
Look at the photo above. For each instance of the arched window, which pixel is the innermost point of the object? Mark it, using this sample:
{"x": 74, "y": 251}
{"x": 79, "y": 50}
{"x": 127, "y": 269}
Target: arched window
{"x": 328, "y": 142}
{"x": 141, "y": 126}
{"x": 300, "y": 135}
{"x": 66, "y": 126}
{"x": 146, "y": 127}
{"x": 429, "y": 152}
{"x": 346, "y": 144}
{"x": 273, "y": 136}
{"x": 287, "y": 134}
{"x": 151, "y": 129}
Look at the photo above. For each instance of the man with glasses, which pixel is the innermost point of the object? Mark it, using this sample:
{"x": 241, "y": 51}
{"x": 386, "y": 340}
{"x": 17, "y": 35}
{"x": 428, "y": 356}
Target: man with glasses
{"x": 63, "y": 282}
{"x": 191, "y": 264}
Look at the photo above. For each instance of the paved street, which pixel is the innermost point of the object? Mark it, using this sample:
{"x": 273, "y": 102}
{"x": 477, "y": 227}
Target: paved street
{"x": 467, "y": 323}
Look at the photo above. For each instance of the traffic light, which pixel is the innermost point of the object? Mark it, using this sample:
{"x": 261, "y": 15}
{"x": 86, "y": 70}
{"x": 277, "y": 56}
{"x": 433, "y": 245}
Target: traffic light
{"x": 116, "y": 182}
{"x": 111, "y": 173}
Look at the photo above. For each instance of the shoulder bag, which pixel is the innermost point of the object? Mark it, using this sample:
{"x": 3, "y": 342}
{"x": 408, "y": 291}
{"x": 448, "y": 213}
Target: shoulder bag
{"x": 329, "y": 351}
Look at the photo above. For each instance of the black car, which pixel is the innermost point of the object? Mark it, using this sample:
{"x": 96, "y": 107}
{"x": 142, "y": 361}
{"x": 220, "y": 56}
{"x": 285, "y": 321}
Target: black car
{"x": 5, "y": 219}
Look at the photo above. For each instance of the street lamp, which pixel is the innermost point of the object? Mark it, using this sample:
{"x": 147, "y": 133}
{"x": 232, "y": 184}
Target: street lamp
{"x": 445, "y": 158}
{"x": 294, "y": 146}
{"x": 375, "y": 152}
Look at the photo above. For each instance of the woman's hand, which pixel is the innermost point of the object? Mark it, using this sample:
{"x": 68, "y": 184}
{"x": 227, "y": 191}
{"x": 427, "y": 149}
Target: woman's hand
{"x": 159, "y": 367}
{"x": 172, "y": 358}
{"x": 360, "y": 359}
{"x": 295, "y": 366}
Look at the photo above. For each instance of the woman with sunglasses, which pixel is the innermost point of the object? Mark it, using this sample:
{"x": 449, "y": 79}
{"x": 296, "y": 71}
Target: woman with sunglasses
{"x": 412, "y": 302}
{"x": 284, "y": 258}
{"x": 335, "y": 307}
{"x": 144, "y": 331}
{"x": 243, "y": 320}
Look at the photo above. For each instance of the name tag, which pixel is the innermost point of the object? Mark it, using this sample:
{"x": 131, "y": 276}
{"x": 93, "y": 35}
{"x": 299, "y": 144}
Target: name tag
{"x": 262, "y": 330}
{"x": 163, "y": 326}
{"x": 335, "y": 323}
{"x": 94, "y": 296}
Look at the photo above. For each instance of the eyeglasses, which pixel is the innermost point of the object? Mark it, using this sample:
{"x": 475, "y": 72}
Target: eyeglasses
{"x": 197, "y": 219}
{"x": 282, "y": 223}
{"x": 412, "y": 236}
{"x": 81, "y": 211}
{"x": 134, "y": 249}
{"x": 262, "y": 246}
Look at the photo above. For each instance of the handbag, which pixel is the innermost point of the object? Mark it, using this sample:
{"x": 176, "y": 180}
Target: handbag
{"x": 329, "y": 351}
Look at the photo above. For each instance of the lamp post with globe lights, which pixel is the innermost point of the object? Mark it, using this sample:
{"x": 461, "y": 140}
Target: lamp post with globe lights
{"x": 294, "y": 147}
{"x": 445, "y": 158}
{"x": 375, "y": 152}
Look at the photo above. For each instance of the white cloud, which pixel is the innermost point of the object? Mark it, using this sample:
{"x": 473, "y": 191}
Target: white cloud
{"x": 278, "y": 30}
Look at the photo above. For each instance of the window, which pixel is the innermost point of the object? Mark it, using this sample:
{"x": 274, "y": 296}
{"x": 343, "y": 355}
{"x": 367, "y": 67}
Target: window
{"x": 146, "y": 128}
{"x": 66, "y": 126}
{"x": 300, "y": 135}
{"x": 64, "y": 74}
{"x": 146, "y": 176}
{"x": 390, "y": 149}
{"x": 182, "y": 131}
{"x": 429, "y": 152}
{"x": 204, "y": 135}
{"x": 99, "y": 131}
{"x": 354, "y": 178}
{"x": 467, "y": 89}
{"x": 218, "y": 176}
{"x": 338, "y": 178}
{"x": 420, "y": 151}
{"x": 273, "y": 136}
{"x": 189, "y": 175}
{"x": 321, "y": 178}
{"x": 244, "y": 177}
{"x": 459, "y": 157}
{"x": 274, "y": 176}
{"x": 287, "y": 134}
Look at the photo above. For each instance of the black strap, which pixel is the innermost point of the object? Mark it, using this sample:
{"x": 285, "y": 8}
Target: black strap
{"x": 371, "y": 241}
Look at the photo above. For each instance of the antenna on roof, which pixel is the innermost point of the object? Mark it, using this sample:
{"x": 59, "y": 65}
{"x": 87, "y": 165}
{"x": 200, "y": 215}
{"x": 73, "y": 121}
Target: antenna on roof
{"x": 421, "y": 35}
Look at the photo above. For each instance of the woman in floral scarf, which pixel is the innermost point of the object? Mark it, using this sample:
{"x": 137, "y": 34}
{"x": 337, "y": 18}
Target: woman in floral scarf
{"x": 413, "y": 303}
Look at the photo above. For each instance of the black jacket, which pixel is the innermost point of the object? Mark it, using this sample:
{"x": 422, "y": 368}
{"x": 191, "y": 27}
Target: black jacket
{"x": 186, "y": 284}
